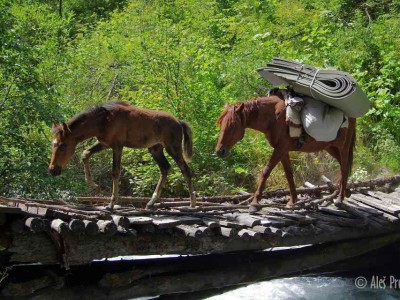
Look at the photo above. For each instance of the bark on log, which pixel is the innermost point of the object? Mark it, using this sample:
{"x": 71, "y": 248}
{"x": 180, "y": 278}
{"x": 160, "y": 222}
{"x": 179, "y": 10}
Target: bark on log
{"x": 107, "y": 227}
{"x": 60, "y": 226}
{"x": 91, "y": 228}
{"x": 76, "y": 226}
{"x": 34, "y": 224}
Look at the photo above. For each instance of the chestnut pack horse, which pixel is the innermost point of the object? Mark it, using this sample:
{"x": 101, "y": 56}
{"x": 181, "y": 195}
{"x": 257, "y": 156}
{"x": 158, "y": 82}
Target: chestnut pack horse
{"x": 268, "y": 115}
{"x": 119, "y": 125}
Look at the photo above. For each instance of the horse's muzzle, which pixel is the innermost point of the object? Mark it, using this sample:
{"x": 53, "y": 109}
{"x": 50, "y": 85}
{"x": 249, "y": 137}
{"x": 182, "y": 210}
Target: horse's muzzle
{"x": 55, "y": 171}
{"x": 222, "y": 152}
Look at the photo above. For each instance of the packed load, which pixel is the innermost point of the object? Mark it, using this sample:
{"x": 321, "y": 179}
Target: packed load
{"x": 318, "y": 100}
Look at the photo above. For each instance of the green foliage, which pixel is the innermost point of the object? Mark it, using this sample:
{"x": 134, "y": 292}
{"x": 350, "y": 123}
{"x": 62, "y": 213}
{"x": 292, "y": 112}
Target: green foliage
{"x": 189, "y": 58}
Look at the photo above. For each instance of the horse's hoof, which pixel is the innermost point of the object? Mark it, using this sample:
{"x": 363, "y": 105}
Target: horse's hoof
{"x": 337, "y": 201}
{"x": 254, "y": 208}
{"x": 289, "y": 205}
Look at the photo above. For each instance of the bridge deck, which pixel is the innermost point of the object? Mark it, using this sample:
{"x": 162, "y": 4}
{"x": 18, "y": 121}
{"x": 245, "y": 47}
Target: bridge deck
{"x": 54, "y": 232}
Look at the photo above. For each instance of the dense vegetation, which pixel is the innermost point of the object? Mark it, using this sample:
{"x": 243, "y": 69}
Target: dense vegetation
{"x": 187, "y": 57}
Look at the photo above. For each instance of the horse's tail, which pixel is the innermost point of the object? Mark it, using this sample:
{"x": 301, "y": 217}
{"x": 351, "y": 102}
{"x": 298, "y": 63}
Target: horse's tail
{"x": 187, "y": 140}
{"x": 351, "y": 150}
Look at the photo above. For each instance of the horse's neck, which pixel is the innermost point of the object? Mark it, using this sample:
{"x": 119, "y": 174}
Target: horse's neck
{"x": 85, "y": 130}
{"x": 260, "y": 115}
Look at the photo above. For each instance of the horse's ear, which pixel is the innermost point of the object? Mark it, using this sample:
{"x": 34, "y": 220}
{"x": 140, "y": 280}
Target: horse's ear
{"x": 66, "y": 130}
{"x": 239, "y": 108}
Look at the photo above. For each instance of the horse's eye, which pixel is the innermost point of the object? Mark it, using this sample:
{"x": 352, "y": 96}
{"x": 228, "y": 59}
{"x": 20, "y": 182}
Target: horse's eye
{"x": 62, "y": 147}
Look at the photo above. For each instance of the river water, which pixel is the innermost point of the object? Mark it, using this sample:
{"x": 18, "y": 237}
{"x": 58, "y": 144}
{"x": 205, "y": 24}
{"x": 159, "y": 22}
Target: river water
{"x": 311, "y": 288}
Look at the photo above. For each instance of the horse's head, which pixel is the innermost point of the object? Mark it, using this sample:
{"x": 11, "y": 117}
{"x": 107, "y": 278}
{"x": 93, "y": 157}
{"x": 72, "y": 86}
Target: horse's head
{"x": 232, "y": 123}
{"x": 64, "y": 145}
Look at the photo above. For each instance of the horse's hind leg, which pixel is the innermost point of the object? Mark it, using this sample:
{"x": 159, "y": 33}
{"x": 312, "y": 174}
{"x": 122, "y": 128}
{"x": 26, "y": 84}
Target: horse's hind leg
{"x": 97, "y": 147}
{"x": 289, "y": 176}
{"x": 176, "y": 154}
{"x": 116, "y": 172}
{"x": 158, "y": 155}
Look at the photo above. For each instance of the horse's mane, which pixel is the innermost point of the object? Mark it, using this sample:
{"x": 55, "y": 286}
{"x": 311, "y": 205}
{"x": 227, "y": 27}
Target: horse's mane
{"x": 98, "y": 113}
{"x": 232, "y": 117}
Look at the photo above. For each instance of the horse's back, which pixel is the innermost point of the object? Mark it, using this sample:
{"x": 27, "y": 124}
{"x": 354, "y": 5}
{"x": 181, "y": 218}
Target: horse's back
{"x": 138, "y": 127}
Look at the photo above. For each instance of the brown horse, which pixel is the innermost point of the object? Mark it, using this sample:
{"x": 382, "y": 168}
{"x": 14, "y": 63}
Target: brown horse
{"x": 119, "y": 125}
{"x": 267, "y": 114}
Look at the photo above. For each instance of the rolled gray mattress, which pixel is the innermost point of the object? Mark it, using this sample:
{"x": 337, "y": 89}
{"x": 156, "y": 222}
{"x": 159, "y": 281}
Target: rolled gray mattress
{"x": 336, "y": 88}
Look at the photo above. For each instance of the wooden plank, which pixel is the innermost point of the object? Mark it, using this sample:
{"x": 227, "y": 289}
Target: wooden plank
{"x": 163, "y": 223}
{"x": 391, "y": 209}
{"x": 338, "y": 221}
{"x": 140, "y": 220}
{"x": 366, "y": 208}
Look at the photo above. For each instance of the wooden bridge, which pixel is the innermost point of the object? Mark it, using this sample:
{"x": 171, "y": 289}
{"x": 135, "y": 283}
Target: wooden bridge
{"x": 71, "y": 235}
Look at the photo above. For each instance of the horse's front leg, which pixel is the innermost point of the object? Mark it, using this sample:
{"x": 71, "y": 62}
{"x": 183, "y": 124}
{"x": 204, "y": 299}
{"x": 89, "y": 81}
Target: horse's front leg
{"x": 97, "y": 147}
{"x": 276, "y": 157}
{"x": 289, "y": 176}
{"x": 116, "y": 172}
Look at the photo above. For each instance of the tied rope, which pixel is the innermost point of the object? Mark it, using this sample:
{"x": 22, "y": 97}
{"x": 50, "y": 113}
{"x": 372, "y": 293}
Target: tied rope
{"x": 312, "y": 82}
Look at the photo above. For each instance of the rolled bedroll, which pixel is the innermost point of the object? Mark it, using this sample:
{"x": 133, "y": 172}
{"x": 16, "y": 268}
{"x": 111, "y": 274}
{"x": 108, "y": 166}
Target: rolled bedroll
{"x": 336, "y": 88}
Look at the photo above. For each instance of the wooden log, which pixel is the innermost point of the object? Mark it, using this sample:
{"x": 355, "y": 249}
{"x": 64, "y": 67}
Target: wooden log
{"x": 327, "y": 227}
{"x": 227, "y": 232}
{"x": 335, "y": 212}
{"x": 76, "y": 226}
{"x": 91, "y": 228}
{"x": 243, "y": 219}
{"x": 46, "y": 225}
{"x": 60, "y": 226}
{"x": 211, "y": 223}
{"x": 246, "y": 233}
{"x": 206, "y": 231}
{"x": 297, "y": 217}
{"x": 189, "y": 231}
{"x": 277, "y": 223}
{"x": 329, "y": 183}
{"x": 107, "y": 227}
{"x": 122, "y": 221}
{"x": 231, "y": 224}
{"x": 34, "y": 224}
